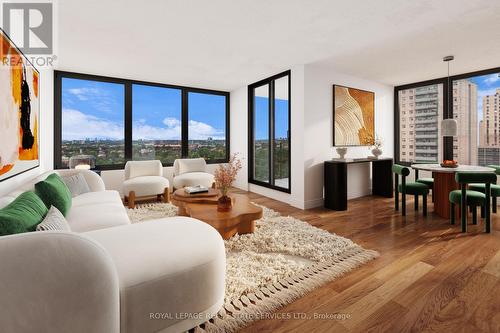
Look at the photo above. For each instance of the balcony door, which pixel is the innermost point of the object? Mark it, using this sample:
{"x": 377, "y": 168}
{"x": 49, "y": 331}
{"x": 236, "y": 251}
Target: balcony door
{"x": 269, "y": 132}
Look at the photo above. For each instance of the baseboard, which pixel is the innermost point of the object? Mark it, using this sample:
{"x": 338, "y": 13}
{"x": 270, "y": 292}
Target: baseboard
{"x": 241, "y": 186}
{"x": 319, "y": 202}
{"x": 297, "y": 204}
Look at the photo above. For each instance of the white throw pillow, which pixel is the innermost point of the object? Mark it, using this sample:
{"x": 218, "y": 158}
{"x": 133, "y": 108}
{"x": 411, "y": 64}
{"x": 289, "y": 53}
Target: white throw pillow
{"x": 192, "y": 165}
{"x": 144, "y": 168}
{"x": 54, "y": 220}
{"x": 77, "y": 184}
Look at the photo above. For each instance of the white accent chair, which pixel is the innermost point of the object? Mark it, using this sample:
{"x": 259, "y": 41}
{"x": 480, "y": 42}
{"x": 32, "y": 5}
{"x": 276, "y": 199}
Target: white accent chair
{"x": 144, "y": 179}
{"x": 191, "y": 172}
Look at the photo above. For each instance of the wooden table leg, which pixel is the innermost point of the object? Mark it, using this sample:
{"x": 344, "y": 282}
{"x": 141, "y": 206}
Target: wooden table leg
{"x": 181, "y": 209}
{"x": 246, "y": 227}
{"x": 444, "y": 183}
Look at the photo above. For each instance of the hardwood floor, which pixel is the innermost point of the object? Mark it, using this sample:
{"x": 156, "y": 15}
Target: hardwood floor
{"x": 429, "y": 277}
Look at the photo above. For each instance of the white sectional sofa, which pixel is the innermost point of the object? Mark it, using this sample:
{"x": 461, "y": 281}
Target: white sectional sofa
{"x": 109, "y": 275}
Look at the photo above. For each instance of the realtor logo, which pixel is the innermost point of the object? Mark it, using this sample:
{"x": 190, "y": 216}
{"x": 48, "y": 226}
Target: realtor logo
{"x": 29, "y": 25}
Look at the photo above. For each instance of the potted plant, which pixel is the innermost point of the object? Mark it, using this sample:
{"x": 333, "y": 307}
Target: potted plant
{"x": 377, "y": 145}
{"x": 224, "y": 177}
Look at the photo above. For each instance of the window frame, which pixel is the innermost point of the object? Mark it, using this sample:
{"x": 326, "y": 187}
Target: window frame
{"x": 251, "y": 95}
{"x": 185, "y": 121}
{"x": 128, "y": 113}
{"x": 447, "y": 107}
{"x": 397, "y": 128}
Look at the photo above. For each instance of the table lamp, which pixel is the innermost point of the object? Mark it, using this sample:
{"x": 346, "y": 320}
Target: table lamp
{"x": 85, "y": 162}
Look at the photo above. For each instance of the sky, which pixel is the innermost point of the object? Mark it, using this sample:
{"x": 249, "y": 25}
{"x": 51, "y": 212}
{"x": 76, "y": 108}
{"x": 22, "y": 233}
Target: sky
{"x": 486, "y": 85}
{"x": 261, "y": 121}
{"x": 93, "y": 109}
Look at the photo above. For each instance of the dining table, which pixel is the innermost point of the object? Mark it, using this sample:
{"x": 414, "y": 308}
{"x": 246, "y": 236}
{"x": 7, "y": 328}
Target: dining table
{"x": 444, "y": 183}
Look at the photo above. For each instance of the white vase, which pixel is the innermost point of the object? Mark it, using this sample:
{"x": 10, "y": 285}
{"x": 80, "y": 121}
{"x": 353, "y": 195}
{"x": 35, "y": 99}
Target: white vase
{"x": 376, "y": 152}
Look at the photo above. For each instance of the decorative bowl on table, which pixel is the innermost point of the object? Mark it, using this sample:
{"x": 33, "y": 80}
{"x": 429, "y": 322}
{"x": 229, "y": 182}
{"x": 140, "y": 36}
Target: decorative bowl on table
{"x": 449, "y": 164}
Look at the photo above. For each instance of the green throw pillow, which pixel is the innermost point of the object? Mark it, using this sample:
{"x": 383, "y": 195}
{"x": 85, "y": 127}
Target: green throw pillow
{"x": 54, "y": 192}
{"x": 22, "y": 215}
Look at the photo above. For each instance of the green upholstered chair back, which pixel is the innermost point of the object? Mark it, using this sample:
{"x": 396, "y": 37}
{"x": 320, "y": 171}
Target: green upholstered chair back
{"x": 400, "y": 170}
{"x": 467, "y": 177}
{"x": 496, "y": 167}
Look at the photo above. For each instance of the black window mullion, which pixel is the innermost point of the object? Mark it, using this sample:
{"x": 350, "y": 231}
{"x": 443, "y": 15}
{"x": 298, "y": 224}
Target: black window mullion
{"x": 185, "y": 125}
{"x": 448, "y": 113}
{"x": 128, "y": 121}
{"x": 228, "y": 127}
{"x": 251, "y": 135}
{"x": 57, "y": 121}
{"x": 271, "y": 132}
{"x": 288, "y": 136}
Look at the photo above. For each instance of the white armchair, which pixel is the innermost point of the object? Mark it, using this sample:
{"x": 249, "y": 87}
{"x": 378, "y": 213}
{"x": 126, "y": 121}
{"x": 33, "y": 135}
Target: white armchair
{"x": 144, "y": 179}
{"x": 192, "y": 172}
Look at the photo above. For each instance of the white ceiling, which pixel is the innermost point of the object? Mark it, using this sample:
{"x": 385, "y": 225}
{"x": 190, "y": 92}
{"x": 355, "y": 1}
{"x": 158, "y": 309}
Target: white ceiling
{"x": 226, "y": 44}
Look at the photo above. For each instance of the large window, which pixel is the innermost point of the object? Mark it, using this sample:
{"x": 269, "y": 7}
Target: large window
{"x": 420, "y": 115}
{"x": 156, "y": 119}
{"x": 476, "y": 107}
{"x": 117, "y": 120}
{"x": 207, "y": 125}
{"x": 93, "y": 120}
{"x": 269, "y": 132}
{"x": 473, "y": 99}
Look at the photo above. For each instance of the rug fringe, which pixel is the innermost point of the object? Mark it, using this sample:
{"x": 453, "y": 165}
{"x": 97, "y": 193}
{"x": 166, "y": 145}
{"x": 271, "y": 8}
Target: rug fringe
{"x": 238, "y": 313}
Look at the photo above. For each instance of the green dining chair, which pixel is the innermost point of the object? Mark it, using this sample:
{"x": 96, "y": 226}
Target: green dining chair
{"x": 412, "y": 188}
{"x": 495, "y": 189}
{"x": 427, "y": 181}
{"x": 464, "y": 197}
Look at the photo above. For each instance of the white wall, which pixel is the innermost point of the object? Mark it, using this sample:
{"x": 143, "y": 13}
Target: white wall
{"x": 312, "y": 133}
{"x": 318, "y": 130}
{"x": 238, "y": 133}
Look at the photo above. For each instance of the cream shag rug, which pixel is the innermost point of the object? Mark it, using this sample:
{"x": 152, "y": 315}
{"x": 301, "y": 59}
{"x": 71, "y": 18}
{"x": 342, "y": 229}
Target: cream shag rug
{"x": 281, "y": 261}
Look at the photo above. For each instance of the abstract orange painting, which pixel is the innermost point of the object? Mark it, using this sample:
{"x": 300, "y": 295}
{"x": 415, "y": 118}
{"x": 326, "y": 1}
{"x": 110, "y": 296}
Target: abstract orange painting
{"x": 353, "y": 117}
{"x": 19, "y": 111}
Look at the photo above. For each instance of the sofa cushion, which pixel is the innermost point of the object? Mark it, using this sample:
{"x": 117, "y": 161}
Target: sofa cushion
{"x": 22, "y": 215}
{"x": 83, "y": 218}
{"x": 54, "y": 220}
{"x": 186, "y": 165}
{"x": 76, "y": 184}
{"x": 143, "y": 168}
{"x": 193, "y": 179}
{"x": 54, "y": 192}
{"x": 101, "y": 197}
{"x": 171, "y": 265}
{"x": 145, "y": 185}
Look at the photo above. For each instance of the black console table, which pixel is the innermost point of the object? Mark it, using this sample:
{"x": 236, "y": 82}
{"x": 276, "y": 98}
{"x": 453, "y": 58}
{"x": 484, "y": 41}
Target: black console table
{"x": 335, "y": 180}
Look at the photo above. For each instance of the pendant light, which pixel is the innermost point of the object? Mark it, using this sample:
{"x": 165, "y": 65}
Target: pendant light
{"x": 449, "y": 126}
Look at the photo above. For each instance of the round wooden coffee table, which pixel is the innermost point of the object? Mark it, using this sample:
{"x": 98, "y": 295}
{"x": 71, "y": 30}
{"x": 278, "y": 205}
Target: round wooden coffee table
{"x": 240, "y": 219}
{"x": 180, "y": 198}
